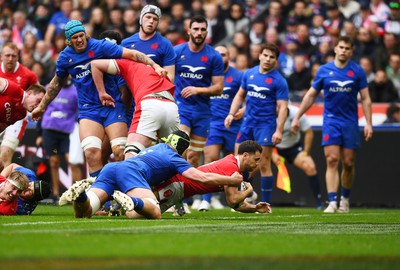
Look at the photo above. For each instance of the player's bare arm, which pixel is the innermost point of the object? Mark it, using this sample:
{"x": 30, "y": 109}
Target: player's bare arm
{"x": 366, "y": 105}
{"x": 52, "y": 91}
{"x": 97, "y": 68}
{"x": 213, "y": 179}
{"x": 235, "y": 106}
{"x": 306, "y": 103}
{"x": 143, "y": 58}
{"x": 213, "y": 90}
{"x": 282, "y": 114}
{"x": 234, "y": 195}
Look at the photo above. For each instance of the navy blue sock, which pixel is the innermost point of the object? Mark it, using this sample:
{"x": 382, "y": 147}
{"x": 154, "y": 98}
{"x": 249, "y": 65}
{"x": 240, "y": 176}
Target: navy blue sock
{"x": 315, "y": 188}
{"x": 138, "y": 203}
{"x": 346, "y": 192}
{"x": 94, "y": 174}
{"x": 207, "y": 197}
{"x": 266, "y": 188}
{"x": 332, "y": 196}
{"x": 81, "y": 198}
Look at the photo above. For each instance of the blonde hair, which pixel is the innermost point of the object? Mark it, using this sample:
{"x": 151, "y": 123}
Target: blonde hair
{"x": 20, "y": 179}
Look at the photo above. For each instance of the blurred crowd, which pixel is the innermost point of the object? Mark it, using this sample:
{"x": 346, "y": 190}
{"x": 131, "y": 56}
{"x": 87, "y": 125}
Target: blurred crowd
{"x": 305, "y": 31}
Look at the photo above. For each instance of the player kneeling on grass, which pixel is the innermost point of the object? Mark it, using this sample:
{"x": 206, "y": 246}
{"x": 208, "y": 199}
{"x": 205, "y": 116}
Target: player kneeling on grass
{"x": 134, "y": 176}
{"x": 178, "y": 187}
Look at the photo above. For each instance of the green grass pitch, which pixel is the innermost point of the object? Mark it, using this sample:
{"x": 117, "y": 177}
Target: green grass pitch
{"x": 289, "y": 238}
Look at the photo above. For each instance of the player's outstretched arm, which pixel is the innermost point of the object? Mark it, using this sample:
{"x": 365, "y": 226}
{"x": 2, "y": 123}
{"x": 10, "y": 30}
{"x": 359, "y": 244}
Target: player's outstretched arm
{"x": 261, "y": 207}
{"x": 213, "y": 179}
{"x": 143, "y": 58}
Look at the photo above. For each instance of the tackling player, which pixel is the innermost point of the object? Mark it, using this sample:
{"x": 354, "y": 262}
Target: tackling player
{"x": 13, "y": 70}
{"x": 95, "y": 120}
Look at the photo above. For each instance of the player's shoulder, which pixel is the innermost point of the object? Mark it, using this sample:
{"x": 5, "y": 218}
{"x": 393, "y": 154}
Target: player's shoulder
{"x": 252, "y": 71}
{"x": 129, "y": 40}
{"x": 181, "y": 47}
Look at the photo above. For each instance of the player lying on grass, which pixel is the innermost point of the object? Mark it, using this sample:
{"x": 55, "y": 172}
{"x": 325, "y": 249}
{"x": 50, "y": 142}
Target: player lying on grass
{"x": 134, "y": 176}
{"x": 27, "y": 201}
{"x": 179, "y": 187}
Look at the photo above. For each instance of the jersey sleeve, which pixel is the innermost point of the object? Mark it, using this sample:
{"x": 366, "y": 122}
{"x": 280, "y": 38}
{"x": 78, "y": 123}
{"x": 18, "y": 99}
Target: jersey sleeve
{"x": 318, "y": 83}
{"x": 170, "y": 55}
{"x": 180, "y": 164}
{"x": 12, "y": 90}
{"x": 218, "y": 65}
{"x": 282, "y": 92}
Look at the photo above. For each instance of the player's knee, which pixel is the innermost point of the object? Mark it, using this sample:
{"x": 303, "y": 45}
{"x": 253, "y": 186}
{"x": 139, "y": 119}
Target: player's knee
{"x": 118, "y": 146}
{"x": 155, "y": 212}
{"x": 10, "y": 142}
{"x": 91, "y": 142}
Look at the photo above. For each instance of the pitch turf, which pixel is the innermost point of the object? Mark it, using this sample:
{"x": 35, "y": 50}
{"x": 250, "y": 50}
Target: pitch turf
{"x": 289, "y": 238}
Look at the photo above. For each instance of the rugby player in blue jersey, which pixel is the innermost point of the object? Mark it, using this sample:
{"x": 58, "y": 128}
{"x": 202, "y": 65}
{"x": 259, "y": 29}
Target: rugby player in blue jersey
{"x": 95, "y": 119}
{"x": 129, "y": 182}
{"x": 199, "y": 74}
{"x": 220, "y": 138}
{"x": 150, "y": 42}
{"x": 266, "y": 94}
{"x": 341, "y": 80}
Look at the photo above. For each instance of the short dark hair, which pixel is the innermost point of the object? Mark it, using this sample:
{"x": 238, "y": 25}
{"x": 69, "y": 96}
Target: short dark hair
{"x": 198, "y": 19}
{"x": 110, "y": 34}
{"x": 250, "y": 147}
{"x": 271, "y": 47}
{"x": 345, "y": 39}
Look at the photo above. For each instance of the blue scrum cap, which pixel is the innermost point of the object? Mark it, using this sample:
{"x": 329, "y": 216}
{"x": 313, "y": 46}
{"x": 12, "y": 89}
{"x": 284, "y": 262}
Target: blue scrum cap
{"x": 73, "y": 27}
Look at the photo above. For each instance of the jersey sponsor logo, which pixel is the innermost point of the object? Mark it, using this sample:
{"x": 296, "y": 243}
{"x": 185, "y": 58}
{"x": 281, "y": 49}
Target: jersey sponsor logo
{"x": 85, "y": 71}
{"x": 341, "y": 86}
{"x": 151, "y": 55}
{"x": 350, "y": 73}
{"x": 229, "y": 80}
{"x": 256, "y": 95}
{"x": 204, "y": 59}
{"x": 259, "y": 88}
{"x": 192, "y": 74}
{"x": 268, "y": 80}
{"x": 223, "y": 96}
{"x": 7, "y": 106}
